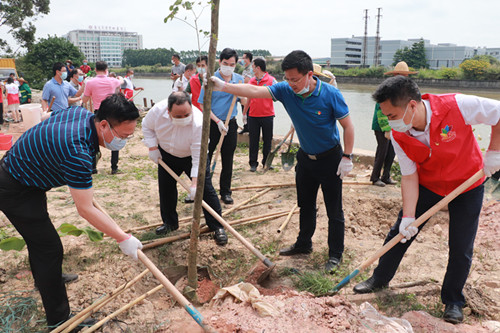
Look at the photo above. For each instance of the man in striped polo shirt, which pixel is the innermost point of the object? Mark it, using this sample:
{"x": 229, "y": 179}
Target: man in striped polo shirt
{"x": 57, "y": 152}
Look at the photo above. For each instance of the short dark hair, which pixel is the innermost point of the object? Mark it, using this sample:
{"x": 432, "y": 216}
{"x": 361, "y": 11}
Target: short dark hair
{"x": 228, "y": 53}
{"x": 12, "y": 74}
{"x": 200, "y": 59}
{"x": 261, "y": 63}
{"x": 73, "y": 73}
{"x": 57, "y": 67}
{"x": 10, "y": 80}
{"x": 116, "y": 109}
{"x": 175, "y": 55}
{"x": 249, "y": 55}
{"x": 129, "y": 70}
{"x": 178, "y": 98}
{"x": 101, "y": 66}
{"x": 399, "y": 90}
{"x": 297, "y": 59}
{"x": 189, "y": 67}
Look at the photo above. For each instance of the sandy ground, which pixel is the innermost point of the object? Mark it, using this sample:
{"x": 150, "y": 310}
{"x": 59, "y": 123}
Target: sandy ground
{"x": 131, "y": 198}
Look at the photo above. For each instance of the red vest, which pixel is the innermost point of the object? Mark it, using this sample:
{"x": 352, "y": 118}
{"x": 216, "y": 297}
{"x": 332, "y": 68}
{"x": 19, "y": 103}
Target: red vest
{"x": 195, "y": 84}
{"x": 454, "y": 155}
{"x": 262, "y": 107}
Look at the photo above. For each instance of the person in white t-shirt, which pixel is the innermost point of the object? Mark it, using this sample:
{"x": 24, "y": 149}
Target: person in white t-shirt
{"x": 181, "y": 83}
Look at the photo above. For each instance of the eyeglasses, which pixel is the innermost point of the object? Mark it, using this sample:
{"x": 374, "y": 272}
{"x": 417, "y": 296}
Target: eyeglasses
{"x": 294, "y": 81}
{"x": 119, "y": 136}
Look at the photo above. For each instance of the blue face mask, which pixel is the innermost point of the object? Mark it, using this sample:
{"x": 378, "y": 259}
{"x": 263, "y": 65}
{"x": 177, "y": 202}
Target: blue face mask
{"x": 80, "y": 78}
{"x": 115, "y": 144}
{"x": 64, "y": 75}
{"x": 85, "y": 63}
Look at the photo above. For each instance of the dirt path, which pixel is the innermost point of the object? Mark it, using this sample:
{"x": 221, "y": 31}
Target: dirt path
{"x": 131, "y": 198}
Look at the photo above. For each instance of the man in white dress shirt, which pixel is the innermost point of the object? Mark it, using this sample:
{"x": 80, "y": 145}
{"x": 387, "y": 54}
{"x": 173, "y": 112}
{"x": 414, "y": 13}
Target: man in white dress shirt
{"x": 172, "y": 131}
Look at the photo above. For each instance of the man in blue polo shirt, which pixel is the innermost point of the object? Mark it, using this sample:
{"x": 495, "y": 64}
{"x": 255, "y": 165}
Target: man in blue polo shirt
{"x": 314, "y": 108}
{"x": 57, "y": 152}
{"x": 221, "y": 101}
{"x": 59, "y": 88}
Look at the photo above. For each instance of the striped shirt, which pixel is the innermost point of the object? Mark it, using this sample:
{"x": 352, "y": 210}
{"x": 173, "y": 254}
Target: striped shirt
{"x": 56, "y": 152}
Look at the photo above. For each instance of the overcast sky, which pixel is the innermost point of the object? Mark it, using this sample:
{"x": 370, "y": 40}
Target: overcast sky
{"x": 281, "y": 26}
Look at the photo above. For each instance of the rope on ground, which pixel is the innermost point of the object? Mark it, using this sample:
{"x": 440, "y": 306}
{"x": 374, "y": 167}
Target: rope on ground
{"x": 17, "y": 313}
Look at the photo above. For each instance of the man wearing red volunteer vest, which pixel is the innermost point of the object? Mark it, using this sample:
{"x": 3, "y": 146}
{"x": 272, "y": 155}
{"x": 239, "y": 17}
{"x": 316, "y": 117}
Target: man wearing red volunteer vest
{"x": 260, "y": 116}
{"x": 437, "y": 151}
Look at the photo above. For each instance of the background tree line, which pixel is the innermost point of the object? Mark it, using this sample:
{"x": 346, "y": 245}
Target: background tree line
{"x": 163, "y": 56}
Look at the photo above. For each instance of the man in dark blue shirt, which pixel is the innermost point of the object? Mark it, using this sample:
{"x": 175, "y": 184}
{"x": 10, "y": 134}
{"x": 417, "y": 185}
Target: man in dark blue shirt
{"x": 315, "y": 108}
{"x": 57, "y": 152}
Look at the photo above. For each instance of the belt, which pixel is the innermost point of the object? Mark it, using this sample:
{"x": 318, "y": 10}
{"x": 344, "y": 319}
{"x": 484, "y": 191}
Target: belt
{"x": 323, "y": 154}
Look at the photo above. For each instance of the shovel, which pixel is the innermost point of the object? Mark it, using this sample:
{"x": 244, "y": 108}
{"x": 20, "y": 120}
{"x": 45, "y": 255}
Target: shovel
{"x": 257, "y": 253}
{"x": 424, "y": 217}
{"x": 492, "y": 187}
{"x": 288, "y": 157}
{"x": 270, "y": 157}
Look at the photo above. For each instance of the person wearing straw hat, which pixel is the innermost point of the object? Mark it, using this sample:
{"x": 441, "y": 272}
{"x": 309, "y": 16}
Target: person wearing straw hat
{"x": 54, "y": 153}
{"x": 324, "y": 75}
{"x": 384, "y": 154}
{"x": 437, "y": 152}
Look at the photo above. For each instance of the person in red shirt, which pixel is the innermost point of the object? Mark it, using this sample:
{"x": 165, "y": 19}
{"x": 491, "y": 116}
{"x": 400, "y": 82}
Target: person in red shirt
{"x": 194, "y": 86}
{"x": 260, "y": 115}
{"x": 85, "y": 67}
{"x": 437, "y": 151}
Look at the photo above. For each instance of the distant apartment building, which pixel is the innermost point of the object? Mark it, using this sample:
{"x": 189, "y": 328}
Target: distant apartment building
{"x": 102, "y": 43}
{"x": 348, "y": 52}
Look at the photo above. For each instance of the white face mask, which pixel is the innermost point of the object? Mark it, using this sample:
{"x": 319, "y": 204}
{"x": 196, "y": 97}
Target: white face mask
{"x": 226, "y": 70}
{"x": 399, "y": 125}
{"x": 201, "y": 70}
{"x": 131, "y": 76}
{"x": 304, "y": 90}
{"x": 182, "y": 121}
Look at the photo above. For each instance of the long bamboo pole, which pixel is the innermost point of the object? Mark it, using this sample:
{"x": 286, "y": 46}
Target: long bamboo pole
{"x": 249, "y": 187}
{"x": 205, "y": 230}
{"x": 84, "y": 314}
{"x": 123, "y": 308}
{"x": 288, "y": 218}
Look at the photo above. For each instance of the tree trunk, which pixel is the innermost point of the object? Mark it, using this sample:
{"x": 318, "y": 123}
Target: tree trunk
{"x": 207, "y": 102}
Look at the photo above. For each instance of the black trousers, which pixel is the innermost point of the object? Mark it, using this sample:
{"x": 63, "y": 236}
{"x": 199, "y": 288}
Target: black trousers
{"x": 464, "y": 213}
{"x": 226, "y": 153}
{"x": 168, "y": 191}
{"x": 309, "y": 176}
{"x": 255, "y": 124}
{"x": 114, "y": 157}
{"x": 1, "y": 113}
{"x": 26, "y": 209}
{"x": 384, "y": 156}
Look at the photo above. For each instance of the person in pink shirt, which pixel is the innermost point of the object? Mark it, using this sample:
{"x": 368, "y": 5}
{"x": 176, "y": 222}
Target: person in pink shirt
{"x": 98, "y": 89}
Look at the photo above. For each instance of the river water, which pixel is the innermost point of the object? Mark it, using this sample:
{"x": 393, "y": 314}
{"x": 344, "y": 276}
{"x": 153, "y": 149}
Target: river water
{"x": 358, "y": 98}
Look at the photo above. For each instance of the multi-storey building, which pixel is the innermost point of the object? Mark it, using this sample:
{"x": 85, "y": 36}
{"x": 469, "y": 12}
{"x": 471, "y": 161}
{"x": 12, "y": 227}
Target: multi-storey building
{"x": 105, "y": 43}
{"x": 348, "y": 52}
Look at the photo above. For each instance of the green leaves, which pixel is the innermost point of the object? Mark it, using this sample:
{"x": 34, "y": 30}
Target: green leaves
{"x": 69, "y": 229}
{"x": 12, "y": 243}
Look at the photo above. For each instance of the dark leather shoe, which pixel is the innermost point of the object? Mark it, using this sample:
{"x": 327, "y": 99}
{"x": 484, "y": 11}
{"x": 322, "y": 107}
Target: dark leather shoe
{"x": 68, "y": 277}
{"x": 188, "y": 200}
{"x": 453, "y": 314}
{"x": 226, "y": 198}
{"x": 220, "y": 237}
{"x": 369, "y": 286}
{"x": 115, "y": 171}
{"x": 332, "y": 264}
{"x": 165, "y": 229}
{"x": 379, "y": 183}
{"x": 291, "y": 250}
{"x": 253, "y": 168}
{"x": 389, "y": 181}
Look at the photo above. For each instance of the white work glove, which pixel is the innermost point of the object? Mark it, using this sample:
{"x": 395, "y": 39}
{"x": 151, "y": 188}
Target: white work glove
{"x": 130, "y": 246}
{"x": 192, "y": 193}
{"x": 154, "y": 155}
{"x": 218, "y": 83}
{"x": 405, "y": 230}
{"x": 491, "y": 162}
{"x": 222, "y": 127}
{"x": 345, "y": 166}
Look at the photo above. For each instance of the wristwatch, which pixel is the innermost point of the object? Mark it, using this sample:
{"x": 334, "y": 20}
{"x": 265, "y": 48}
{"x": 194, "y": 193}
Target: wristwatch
{"x": 349, "y": 156}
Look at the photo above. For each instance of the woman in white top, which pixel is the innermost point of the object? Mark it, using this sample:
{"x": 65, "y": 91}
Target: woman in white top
{"x": 12, "y": 91}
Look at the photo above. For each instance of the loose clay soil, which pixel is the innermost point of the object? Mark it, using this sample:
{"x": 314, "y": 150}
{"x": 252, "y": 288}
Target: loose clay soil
{"x": 131, "y": 198}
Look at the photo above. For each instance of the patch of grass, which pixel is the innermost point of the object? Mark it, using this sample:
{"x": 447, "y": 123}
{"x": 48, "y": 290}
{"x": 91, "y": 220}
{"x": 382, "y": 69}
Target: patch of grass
{"x": 317, "y": 283}
{"x": 270, "y": 247}
{"x": 139, "y": 218}
{"x": 149, "y": 235}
